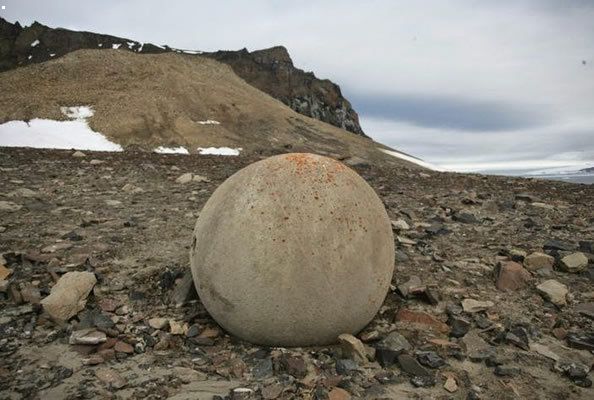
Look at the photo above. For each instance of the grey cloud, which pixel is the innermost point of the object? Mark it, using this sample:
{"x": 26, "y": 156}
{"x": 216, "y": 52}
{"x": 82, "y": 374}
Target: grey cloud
{"x": 459, "y": 147}
{"x": 449, "y": 112}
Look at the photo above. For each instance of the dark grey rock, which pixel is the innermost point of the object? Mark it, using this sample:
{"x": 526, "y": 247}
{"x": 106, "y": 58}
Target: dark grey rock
{"x": 437, "y": 229}
{"x": 576, "y": 372}
{"x": 501, "y": 370}
{"x": 430, "y": 359}
{"x": 411, "y": 366}
{"x": 493, "y": 361}
{"x": 193, "y": 330}
{"x": 386, "y": 357}
{"x": 583, "y": 341}
{"x": 345, "y": 366}
{"x": 587, "y": 246}
{"x": 453, "y": 309}
{"x": 262, "y": 368}
{"x": 394, "y": 341}
{"x": 519, "y": 339}
{"x": 405, "y": 289}
{"x": 465, "y": 217}
{"x": 102, "y": 321}
{"x": 459, "y": 326}
{"x": 482, "y": 322}
{"x": 432, "y": 295}
{"x": 423, "y": 381}
{"x": 526, "y": 197}
{"x": 184, "y": 290}
{"x": 401, "y": 256}
{"x": 554, "y": 244}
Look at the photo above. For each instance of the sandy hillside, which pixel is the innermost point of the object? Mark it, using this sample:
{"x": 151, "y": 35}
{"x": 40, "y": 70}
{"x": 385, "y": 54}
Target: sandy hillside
{"x": 160, "y": 99}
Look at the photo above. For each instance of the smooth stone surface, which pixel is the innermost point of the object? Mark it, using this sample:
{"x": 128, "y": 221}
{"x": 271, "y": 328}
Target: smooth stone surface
{"x": 293, "y": 250}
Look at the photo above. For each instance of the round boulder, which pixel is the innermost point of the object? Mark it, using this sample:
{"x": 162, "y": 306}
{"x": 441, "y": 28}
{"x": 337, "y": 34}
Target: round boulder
{"x": 293, "y": 250}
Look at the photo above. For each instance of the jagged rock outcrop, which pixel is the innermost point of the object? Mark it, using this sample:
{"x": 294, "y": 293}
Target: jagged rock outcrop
{"x": 270, "y": 70}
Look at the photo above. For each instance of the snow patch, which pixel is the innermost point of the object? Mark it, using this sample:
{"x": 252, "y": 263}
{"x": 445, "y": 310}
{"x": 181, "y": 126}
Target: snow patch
{"x": 140, "y": 48}
{"x": 100, "y": 45}
{"x": 35, "y": 43}
{"x": 30, "y": 57}
{"x": 79, "y": 113}
{"x": 52, "y": 54}
{"x": 116, "y": 46}
{"x": 412, "y": 159}
{"x": 171, "y": 150}
{"x": 191, "y": 52}
{"x": 130, "y": 44}
{"x": 219, "y": 151}
{"x": 161, "y": 47}
{"x": 49, "y": 134}
{"x": 209, "y": 122}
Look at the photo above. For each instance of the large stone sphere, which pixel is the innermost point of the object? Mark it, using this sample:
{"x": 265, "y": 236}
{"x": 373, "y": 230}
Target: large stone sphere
{"x": 293, "y": 250}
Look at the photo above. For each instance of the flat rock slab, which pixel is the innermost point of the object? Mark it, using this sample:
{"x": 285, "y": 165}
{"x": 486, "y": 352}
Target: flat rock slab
{"x": 553, "y": 291}
{"x": 69, "y": 295}
{"x": 575, "y": 262}
{"x": 473, "y": 306}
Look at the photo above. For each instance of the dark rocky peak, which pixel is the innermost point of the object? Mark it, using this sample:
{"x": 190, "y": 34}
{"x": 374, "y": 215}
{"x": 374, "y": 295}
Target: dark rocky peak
{"x": 273, "y": 55}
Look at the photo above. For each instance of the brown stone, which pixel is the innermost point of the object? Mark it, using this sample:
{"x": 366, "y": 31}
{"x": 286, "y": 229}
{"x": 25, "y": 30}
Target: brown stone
{"x": 294, "y": 366}
{"x": 338, "y": 394}
{"x": 512, "y": 276}
{"x": 4, "y": 272}
{"x": 109, "y": 343}
{"x": 107, "y": 354}
{"x": 123, "y": 347}
{"x": 108, "y": 305}
{"x": 422, "y": 318}
{"x": 450, "y": 384}
{"x": 559, "y": 333}
{"x": 36, "y": 256}
{"x": 210, "y": 333}
{"x": 442, "y": 343}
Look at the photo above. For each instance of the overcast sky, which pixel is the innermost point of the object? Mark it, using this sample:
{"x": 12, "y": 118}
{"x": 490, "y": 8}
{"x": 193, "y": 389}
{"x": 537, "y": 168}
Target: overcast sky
{"x": 469, "y": 85}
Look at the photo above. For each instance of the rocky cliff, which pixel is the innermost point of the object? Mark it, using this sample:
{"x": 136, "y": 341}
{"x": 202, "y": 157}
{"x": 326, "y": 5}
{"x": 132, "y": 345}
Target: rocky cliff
{"x": 270, "y": 70}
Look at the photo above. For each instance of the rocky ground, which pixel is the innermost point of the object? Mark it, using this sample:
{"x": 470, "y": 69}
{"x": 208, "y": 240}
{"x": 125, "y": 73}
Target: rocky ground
{"x": 492, "y": 294}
